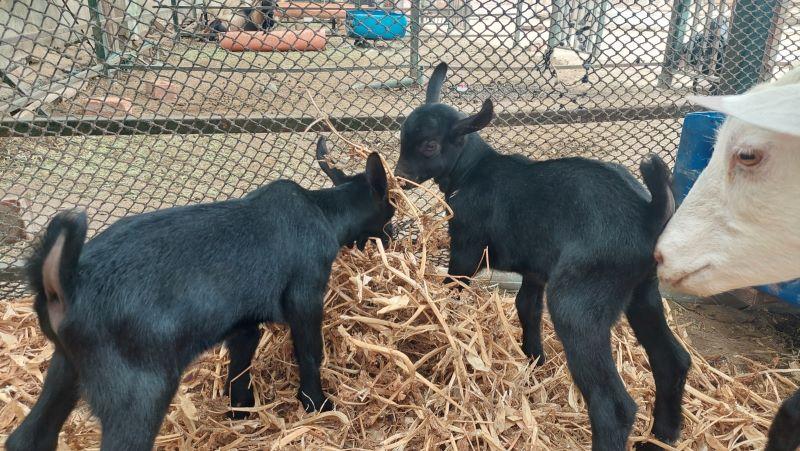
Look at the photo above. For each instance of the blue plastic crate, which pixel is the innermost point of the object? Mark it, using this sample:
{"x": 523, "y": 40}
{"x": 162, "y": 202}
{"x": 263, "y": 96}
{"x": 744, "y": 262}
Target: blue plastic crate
{"x": 376, "y": 24}
{"x": 694, "y": 152}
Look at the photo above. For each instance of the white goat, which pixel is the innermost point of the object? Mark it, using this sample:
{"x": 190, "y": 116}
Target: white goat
{"x": 740, "y": 223}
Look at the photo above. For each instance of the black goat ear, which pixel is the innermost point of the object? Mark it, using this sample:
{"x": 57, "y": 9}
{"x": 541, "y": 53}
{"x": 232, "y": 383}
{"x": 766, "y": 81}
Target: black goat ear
{"x": 336, "y": 175}
{"x": 475, "y": 122}
{"x": 376, "y": 175}
{"x": 434, "y": 92}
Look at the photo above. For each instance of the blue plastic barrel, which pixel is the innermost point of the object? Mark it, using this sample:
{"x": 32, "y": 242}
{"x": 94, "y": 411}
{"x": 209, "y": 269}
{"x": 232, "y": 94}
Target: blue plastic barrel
{"x": 375, "y": 24}
{"x": 694, "y": 149}
{"x": 694, "y": 152}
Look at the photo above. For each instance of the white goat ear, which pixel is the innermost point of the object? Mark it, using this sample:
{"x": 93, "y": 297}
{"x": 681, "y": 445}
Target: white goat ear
{"x": 774, "y": 108}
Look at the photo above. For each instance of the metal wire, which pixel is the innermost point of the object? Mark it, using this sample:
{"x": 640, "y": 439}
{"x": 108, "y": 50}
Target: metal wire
{"x": 123, "y": 107}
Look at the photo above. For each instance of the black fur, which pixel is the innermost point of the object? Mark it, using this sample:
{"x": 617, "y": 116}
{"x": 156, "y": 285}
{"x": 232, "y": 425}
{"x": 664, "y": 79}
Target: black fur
{"x": 580, "y": 230}
{"x": 258, "y": 18}
{"x": 657, "y": 177}
{"x": 215, "y": 28}
{"x": 72, "y": 224}
{"x": 784, "y": 433}
{"x": 151, "y": 292}
{"x": 266, "y": 11}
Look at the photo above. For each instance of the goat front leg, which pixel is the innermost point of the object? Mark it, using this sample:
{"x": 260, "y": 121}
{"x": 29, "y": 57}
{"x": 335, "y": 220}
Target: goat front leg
{"x": 465, "y": 261}
{"x": 304, "y": 315}
{"x": 241, "y": 346}
{"x": 529, "y": 308}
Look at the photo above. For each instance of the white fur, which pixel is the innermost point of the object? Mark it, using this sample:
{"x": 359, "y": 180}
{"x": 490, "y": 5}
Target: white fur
{"x": 739, "y": 226}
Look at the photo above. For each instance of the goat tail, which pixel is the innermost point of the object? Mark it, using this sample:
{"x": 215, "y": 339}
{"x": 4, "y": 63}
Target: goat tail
{"x": 53, "y": 268}
{"x": 657, "y": 177}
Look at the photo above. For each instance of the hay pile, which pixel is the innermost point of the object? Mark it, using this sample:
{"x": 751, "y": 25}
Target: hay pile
{"x": 410, "y": 365}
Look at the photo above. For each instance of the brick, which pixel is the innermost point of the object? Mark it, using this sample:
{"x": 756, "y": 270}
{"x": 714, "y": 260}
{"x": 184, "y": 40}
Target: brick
{"x": 108, "y": 106}
{"x": 164, "y": 90}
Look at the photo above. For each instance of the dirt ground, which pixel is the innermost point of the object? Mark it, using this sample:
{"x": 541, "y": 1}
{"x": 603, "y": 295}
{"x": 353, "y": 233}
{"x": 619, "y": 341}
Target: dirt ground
{"x": 728, "y": 329}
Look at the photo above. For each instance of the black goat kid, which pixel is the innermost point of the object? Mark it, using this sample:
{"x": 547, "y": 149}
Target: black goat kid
{"x": 582, "y": 230}
{"x": 130, "y": 310}
{"x": 255, "y": 18}
{"x": 784, "y": 433}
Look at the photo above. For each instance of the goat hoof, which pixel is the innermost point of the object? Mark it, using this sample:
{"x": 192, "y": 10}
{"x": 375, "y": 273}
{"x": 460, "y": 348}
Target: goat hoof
{"x": 245, "y": 399}
{"x": 322, "y": 405}
{"x": 539, "y": 358}
{"x": 327, "y": 406}
{"x": 237, "y": 415}
{"x": 647, "y": 446}
{"x": 535, "y": 355}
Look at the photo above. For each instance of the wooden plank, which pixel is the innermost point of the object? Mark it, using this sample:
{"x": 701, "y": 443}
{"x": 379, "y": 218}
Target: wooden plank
{"x": 12, "y": 272}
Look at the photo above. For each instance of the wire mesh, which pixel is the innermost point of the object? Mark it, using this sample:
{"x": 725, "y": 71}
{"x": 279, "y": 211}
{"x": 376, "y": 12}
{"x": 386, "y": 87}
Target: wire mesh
{"x": 123, "y": 107}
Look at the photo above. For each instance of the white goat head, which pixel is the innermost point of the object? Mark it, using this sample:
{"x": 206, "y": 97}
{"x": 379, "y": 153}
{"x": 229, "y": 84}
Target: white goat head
{"x": 740, "y": 223}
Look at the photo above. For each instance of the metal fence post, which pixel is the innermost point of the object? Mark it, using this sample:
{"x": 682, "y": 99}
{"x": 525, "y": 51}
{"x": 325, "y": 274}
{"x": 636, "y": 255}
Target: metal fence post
{"x": 518, "y": 22}
{"x": 597, "y": 29}
{"x": 416, "y": 74}
{"x": 745, "y": 58}
{"x": 672, "y": 52}
{"x": 557, "y": 33}
{"x": 100, "y": 41}
{"x": 175, "y": 22}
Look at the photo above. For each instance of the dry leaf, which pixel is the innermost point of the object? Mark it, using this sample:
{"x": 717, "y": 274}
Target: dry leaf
{"x": 393, "y": 303}
{"x": 476, "y": 362}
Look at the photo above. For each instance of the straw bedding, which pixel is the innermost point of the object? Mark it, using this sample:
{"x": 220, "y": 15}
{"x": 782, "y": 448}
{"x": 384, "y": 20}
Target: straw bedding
{"x": 410, "y": 364}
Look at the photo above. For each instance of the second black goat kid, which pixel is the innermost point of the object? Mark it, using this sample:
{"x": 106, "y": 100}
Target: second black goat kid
{"x": 582, "y": 231}
{"x": 129, "y": 310}
{"x": 255, "y": 18}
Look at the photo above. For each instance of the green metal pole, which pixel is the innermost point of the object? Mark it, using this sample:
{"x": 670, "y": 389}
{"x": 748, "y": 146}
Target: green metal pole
{"x": 415, "y": 30}
{"x": 175, "y": 22}
{"x": 599, "y": 30}
{"x": 518, "y": 21}
{"x": 747, "y": 54}
{"x": 100, "y": 42}
{"x": 557, "y": 33}
{"x": 677, "y": 30}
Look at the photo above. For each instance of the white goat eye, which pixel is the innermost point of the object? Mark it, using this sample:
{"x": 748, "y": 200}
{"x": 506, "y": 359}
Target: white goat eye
{"x": 749, "y": 157}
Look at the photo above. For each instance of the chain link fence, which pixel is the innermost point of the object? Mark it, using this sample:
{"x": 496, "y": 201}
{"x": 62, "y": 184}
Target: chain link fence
{"x": 123, "y": 106}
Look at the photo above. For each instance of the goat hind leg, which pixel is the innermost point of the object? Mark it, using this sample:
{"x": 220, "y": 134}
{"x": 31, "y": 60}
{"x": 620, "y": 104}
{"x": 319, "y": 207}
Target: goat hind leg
{"x": 668, "y": 359}
{"x": 39, "y": 430}
{"x": 583, "y": 323}
{"x": 131, "y": 403}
